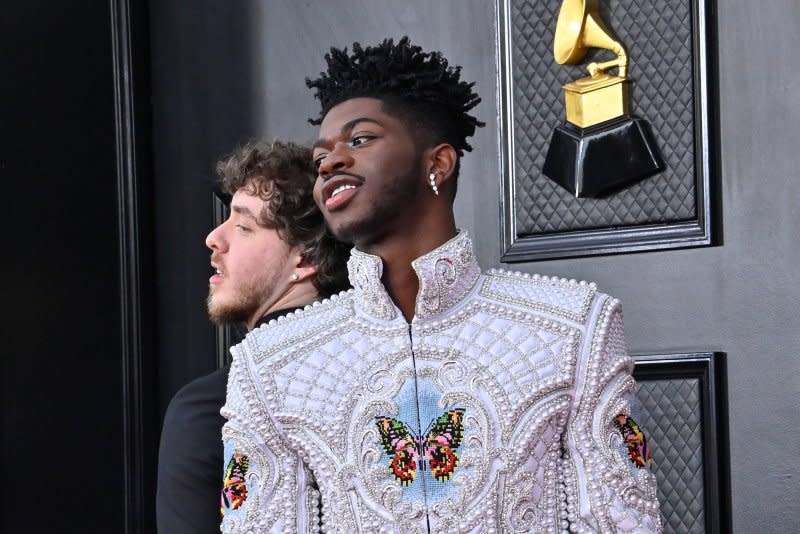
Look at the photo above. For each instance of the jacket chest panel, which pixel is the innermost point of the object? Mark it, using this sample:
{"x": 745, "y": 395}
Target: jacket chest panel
{"x": 434, "y": 420}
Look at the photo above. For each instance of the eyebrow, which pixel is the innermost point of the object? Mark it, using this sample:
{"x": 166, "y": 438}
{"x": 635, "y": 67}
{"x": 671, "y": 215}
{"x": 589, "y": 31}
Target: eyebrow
{"x": 345, "y": 129}
{"x": 245, "y": 211}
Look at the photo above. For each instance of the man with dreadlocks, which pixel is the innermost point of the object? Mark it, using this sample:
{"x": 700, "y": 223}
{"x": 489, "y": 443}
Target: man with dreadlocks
{"x": 431, "y": 397}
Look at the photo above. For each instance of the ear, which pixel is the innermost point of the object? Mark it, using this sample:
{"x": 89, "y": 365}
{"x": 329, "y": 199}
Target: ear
{"x": 441, "y": 161}
{"x": 303, "y": 268}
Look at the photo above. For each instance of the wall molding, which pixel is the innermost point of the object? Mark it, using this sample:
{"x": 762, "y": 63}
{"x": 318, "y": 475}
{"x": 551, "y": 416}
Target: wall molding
{"x": 708, "y": 371}
{"x": 130, "y": 54}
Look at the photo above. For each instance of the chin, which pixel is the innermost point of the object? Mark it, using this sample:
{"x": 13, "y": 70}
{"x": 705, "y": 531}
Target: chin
{"x": 216, "y": 314}
{"x": 221, "y": 312}
{"x": 355, "y": 232}
{"x": 341, "y": 233}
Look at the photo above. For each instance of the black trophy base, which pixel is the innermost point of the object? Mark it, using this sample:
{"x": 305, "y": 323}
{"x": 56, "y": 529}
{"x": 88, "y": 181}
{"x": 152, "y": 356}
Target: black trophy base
{"x": 598, "y": 160}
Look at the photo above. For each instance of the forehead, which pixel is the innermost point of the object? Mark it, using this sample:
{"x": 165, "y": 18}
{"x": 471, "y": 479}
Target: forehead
{"x": 245, "y": 202}
{"x": 343, "y": 116}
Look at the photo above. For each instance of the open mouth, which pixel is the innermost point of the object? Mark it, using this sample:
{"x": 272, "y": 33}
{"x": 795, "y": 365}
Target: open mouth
{"x": 218, "y": 275}
{"x": 339, "y": 190}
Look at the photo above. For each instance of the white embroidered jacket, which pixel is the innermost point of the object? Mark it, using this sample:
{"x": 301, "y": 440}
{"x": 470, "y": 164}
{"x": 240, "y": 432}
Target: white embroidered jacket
{"x": 493, "y": 411}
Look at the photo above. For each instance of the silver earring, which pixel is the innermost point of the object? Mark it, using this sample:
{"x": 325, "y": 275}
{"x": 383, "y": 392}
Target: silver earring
{"x": 295, "y": 277}
{"x": 432, "y": 178}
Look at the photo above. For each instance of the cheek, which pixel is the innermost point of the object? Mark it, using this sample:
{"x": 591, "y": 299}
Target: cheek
{"x": 248, "y": 263}
{"x": 318, "y": 193}
{"x": 272, "y": 257}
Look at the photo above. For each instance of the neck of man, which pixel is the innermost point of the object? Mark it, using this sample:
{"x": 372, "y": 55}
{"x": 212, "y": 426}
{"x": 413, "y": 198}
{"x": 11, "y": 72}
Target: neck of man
{"x": 401, "y": 248}
{"x": 297, "y": 295}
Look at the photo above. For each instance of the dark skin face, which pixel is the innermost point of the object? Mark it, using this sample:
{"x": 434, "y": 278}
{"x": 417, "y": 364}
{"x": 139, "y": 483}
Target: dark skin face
{"x": 373, "y": 189}
{"x": 369, "y": 176}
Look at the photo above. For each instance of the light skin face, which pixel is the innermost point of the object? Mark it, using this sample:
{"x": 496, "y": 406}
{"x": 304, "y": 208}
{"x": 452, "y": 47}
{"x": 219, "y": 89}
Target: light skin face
{"x": 254, "y": 267}
{"x": 373, "y": 190}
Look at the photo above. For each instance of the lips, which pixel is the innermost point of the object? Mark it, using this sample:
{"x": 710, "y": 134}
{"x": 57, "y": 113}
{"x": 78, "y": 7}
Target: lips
{"x": 218, "y": 276}
{"x": 339, "y": 190}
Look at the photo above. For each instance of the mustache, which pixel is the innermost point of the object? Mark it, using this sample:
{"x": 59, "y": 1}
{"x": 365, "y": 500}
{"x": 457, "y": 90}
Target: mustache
{"x": 217, "y": 259}
{"x": 356, "y": 176}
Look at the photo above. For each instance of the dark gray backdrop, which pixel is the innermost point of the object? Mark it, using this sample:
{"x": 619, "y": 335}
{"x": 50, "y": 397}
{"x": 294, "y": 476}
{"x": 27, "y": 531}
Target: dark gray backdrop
{"x": 223, "y": 72}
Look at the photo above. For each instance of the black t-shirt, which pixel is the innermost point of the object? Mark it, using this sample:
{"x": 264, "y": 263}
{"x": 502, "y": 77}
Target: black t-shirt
{"x": 190, "y": 455}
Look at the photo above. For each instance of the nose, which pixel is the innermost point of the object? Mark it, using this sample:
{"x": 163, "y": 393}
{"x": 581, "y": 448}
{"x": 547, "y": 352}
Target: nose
{"x": 337, "y": 159}
{"x": 215, "y": 240}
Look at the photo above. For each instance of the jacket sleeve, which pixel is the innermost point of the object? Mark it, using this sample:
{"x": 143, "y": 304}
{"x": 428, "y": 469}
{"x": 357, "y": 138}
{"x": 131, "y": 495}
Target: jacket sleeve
{"x": 190, "y": 458}
{"x": 265, "y": 485}
{"x": 605, "y": 467}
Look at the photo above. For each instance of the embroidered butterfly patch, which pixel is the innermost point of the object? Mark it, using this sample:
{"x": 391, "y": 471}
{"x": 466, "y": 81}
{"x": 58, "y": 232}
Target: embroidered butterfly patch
{"x": 436, "y": 447}
{"x": 234, "y": 491}
{"x": 634, "y": 438}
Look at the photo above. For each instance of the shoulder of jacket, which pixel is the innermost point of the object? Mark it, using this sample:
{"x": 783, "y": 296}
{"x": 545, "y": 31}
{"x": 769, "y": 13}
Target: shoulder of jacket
{"x": 295, "y": 328}
{"x": 569, "y": 299}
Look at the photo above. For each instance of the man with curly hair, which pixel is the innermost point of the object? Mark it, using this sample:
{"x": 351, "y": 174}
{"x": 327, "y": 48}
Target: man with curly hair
{"x": 272, "y": 256}
{"x": 432, "y": 397}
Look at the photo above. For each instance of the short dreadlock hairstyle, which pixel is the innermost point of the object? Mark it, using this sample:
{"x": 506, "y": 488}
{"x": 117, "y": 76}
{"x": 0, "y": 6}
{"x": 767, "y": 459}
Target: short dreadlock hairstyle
{"x": 283, "y": 176}
{"x": 419, "y": 88}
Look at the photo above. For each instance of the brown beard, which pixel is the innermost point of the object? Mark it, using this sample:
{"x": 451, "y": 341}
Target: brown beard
{"x": 221, "y": 314}
{"x": 247, "y": 301}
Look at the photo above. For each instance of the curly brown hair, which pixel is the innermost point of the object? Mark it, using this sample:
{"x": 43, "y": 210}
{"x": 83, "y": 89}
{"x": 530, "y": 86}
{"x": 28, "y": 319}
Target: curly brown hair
{"x": 282, "y": 175}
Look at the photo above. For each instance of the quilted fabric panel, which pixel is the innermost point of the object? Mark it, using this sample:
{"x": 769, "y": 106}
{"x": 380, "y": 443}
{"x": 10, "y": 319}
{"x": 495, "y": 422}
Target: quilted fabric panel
{"x": 518, "y": 357}
{"x": 313, "y": 381}
{"x": 568, "y": 299}
{"x": 658, "y": 39}
{"x": 671, "y": 418}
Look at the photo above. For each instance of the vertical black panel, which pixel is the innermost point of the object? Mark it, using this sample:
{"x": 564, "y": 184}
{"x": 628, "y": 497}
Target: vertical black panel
{"x": 61, "y": 381}
{"x": 130, "y": 52}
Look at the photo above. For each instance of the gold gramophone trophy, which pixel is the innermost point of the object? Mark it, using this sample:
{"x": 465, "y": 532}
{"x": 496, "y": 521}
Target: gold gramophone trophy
{"x": 601, "y": 148}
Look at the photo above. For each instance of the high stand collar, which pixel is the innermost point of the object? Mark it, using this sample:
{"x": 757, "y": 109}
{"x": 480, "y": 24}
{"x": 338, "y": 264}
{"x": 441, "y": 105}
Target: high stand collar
{"x": 446, "y": 275}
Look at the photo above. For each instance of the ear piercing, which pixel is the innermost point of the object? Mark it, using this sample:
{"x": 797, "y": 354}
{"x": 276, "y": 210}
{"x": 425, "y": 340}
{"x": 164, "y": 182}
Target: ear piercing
{"x": 295, "y": 277}
{"x": 432, "y": 178}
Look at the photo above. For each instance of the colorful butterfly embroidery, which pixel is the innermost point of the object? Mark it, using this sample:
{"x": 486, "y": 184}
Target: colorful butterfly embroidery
{"x": 436, "y": 448}
{"x": 638, "y": 450}
{"x": 234, "y": 491}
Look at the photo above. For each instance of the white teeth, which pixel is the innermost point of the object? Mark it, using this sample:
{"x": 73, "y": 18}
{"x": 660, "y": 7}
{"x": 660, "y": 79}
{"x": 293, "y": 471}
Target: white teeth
{"x": 343, "y": 187}
{"x": 218, "y": 271}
